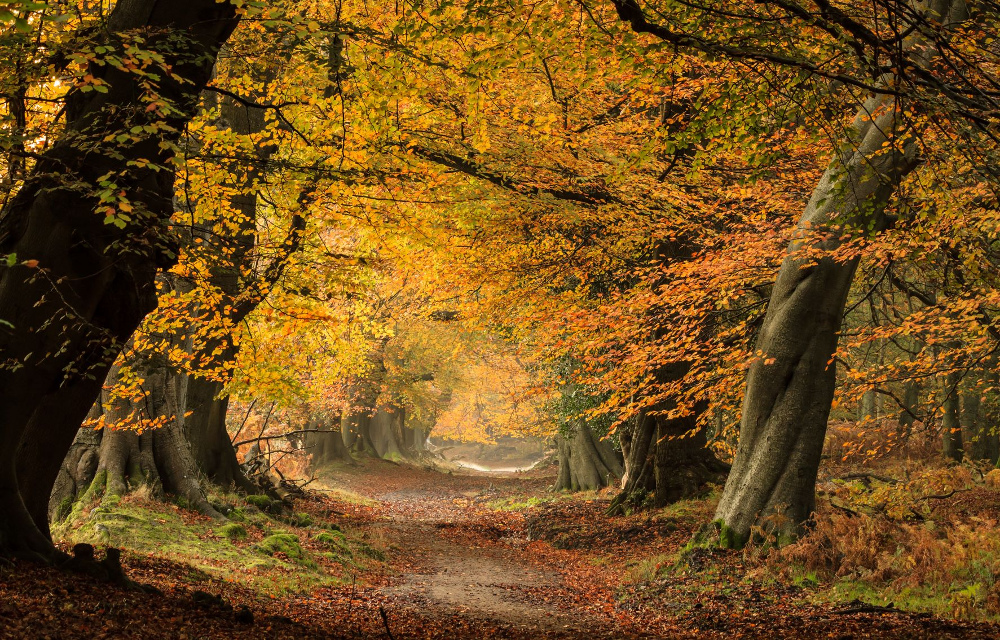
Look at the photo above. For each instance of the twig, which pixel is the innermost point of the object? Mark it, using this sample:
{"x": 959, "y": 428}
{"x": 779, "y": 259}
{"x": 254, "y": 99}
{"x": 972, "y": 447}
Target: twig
{"x": 868, "y": 477}
{"x": 850, "y": 512}
{"x": 867, "y": 608}
{"x": 385, "y": 621}
{"x": 944, "y": 495}
{"x": 282, "y": 435}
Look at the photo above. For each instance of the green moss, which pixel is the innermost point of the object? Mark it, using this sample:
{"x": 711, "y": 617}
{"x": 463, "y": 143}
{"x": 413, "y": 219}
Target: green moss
{"x": 234, "y": 531}
{"x": 299, "y": 520}
{"x": 728, "y": 538}
{"x": 64, "y": 509}
{"x": 288, "y": 545}
{"x": 334, "y": 540}
{"x": 261, "y": 502}
{"x": 145, "y": 528}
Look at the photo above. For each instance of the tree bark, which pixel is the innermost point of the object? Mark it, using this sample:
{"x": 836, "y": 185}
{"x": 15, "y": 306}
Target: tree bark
{"x": 109, "y": 463}
{"x": 586, "y": 462}
{"x": 70, "y": 315}
{"x": 667, "y": 460}
{"x": 325, "y": 447}
{"x": 790, "y": 388}
{"x": 951, "y": 426}
{"x": 911, "y": 398}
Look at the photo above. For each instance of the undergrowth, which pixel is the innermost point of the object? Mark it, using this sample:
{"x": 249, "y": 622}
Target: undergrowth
{"x": 921, "y": 542}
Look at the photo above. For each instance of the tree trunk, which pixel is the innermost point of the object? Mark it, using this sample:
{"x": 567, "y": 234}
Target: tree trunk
{"x": 125, "y": 460}
{"x": 951, "y": 426}
{"x": 586, "y": 463}
{"x": 911, "y": 398}
{"x": 205, "y": 429}
{"x": 639, "y": 450}
{"x": 790, "y": 388}
{"x": 70, "y": 315}
{"x": 325, "y": 447}
{"x": 868, "y": 410}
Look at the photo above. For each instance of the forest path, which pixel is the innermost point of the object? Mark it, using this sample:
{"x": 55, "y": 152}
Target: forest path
{"x": 476, "y": 555}
{"x": 463, "y": 557}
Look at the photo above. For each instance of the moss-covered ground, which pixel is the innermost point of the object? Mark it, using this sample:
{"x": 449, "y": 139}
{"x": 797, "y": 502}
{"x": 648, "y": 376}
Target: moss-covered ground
{"x": 260, "y": 546}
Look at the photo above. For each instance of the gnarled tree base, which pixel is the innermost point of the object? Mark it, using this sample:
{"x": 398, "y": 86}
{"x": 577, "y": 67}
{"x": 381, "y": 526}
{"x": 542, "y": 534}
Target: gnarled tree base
{"x": 586, "y": 463}
{"x": 109, "y": 464}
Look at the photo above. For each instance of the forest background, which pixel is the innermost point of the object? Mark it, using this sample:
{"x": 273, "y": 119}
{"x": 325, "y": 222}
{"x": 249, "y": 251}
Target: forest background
{"x": 678, "y": 238}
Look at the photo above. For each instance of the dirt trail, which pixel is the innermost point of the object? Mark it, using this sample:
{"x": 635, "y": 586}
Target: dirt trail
{"x": 464, "y": 567}
{"x": 449, "y": 576}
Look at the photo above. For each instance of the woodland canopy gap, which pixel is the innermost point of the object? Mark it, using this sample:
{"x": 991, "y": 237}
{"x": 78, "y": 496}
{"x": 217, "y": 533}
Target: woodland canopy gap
{"x": 554, "y": 318}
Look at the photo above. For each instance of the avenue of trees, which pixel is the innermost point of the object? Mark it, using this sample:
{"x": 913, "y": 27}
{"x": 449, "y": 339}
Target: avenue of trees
{"x": 675, "y": 237}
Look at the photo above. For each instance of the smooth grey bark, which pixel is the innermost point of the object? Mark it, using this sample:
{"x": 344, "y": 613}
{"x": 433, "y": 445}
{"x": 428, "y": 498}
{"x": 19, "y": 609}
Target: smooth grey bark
{"x": 666, "y": 460}
{"x": 374, "y": 424}
{"x": 69, "y": 316}
{"x": 205, "y": 430}
{"x": 586, "y": 462}
{"x": 868, "y": 408}
{"x": 205, "y": 427}
{"x": 790, "y": 389}
{"x": 911, "y": 397}
{"x": 324, "y": 444}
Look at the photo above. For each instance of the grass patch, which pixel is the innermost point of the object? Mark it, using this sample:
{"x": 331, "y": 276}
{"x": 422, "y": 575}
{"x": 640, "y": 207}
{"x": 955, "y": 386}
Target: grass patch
{"x": 518, "y": 503}
{"x": 276, "y": 565}
{"x": 260, "y": 501}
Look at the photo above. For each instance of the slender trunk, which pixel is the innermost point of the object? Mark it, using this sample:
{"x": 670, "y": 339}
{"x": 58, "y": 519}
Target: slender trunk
{"x": 868, "y": 409}
{"x": 911, "y": 398}
{"x": 639, "y": 478}
{"x": 951, "y": 427}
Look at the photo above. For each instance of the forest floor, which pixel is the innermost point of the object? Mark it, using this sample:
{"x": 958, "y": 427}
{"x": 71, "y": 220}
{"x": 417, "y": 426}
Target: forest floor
{"x": 426, "y": 554}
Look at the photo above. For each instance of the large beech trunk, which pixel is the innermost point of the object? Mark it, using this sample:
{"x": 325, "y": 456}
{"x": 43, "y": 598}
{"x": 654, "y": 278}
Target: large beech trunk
{"x": 325, "y": 445}
{"x": 790, "y": 388}
{"x": 205, "y": 427}
{"x": 374, "y": 425}
{"x": 70, "y": 314}
{"x": 205, "y": 430}
{"x": 109, "y": 463}
{"x": 666, "y": 460}
{"x": 586, "y": 462}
